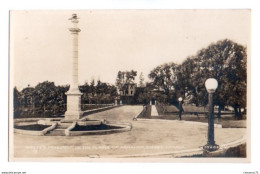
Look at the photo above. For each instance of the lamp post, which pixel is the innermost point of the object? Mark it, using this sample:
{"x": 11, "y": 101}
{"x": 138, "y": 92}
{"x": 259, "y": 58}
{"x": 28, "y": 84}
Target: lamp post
{"x": 211, "y": 85}
{"x": 180, "y": 107}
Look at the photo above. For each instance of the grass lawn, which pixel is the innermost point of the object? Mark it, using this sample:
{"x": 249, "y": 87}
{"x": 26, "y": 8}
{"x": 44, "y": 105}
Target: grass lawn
{"x": 168, "y": 109}
{"x": 170, "y": 112}
{"x": 225, "y": 121}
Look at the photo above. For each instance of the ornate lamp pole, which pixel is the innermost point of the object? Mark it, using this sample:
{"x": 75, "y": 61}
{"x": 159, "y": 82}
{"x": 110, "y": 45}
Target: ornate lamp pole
{"x": 74, "y": 95}
{"x": 211, "y": 85}
{"x": 180, "y": 107}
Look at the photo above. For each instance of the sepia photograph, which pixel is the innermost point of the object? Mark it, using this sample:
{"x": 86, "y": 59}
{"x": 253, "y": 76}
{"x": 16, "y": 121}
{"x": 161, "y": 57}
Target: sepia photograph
{"x": 130, "y": 85}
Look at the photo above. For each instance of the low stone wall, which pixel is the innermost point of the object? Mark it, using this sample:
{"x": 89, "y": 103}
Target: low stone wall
{"x": 90, "y": 122}
{"x": 68, "y": 130}
{"x": 137, "y": 115}
{"x": 27, "y": 120}
{"x": 44, "y": 122}
{"x": 28, "y": 132}
{"x": 92, "y": 111}
{"x": 145, "y": 113}
{"x": 23, "y": 122}
{"x": 235, "y": 149}
{"x": 52, "y": 127}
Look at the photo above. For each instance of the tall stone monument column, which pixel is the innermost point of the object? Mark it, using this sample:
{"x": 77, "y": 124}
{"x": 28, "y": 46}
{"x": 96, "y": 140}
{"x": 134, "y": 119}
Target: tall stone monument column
{"x": 74, "y": 95}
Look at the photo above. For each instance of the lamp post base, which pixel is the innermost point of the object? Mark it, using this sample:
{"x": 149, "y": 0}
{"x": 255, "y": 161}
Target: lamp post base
{"x": 179, "y": 116}
{"x": 211, "y": 147}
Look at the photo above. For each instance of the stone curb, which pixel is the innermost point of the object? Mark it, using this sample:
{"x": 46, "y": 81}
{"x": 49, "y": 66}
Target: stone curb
{"x": 136, "y": 116}
{"x": 92, "y": 111}
{"x": 28, "y": 132}
{"x": 68, "y": 130}
{"x": 46, "y": 130}
{"x": 184, "y": 153}
{"x": 36, "y": 133}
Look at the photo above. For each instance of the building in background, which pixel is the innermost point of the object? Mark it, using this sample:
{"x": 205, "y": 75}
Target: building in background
{"x": 127, "y": 93}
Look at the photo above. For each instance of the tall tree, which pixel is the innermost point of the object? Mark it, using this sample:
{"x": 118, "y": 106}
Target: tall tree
{"x": 164, "y": 78}
{"x": 141, "y": 80}
{"x": 100, "y": 93}
{"x": 124, "y": 78}
{"x": 225, "y": 61}
{"x": 17, "y": 102}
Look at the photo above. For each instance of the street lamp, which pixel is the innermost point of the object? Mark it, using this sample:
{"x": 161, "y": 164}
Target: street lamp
{"x": 180, "y": 107}
{"x": 211, "y": 86}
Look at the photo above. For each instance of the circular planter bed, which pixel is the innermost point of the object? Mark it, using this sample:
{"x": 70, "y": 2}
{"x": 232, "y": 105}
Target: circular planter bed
{"x": 95, "y": 127}
{"x": 33, "y": 127}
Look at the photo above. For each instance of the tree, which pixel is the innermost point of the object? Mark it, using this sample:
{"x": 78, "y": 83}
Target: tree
{"x": 85, "y": 89}
{"x": 51, "y": 98}
{"x": 141, "y": 80}
{"x": 187, "y": 82}
{"x": 45, "y": 94}
{"x": 35, "y": 101}
{"x": 236, "y": 76}
{"x": 99, "y": 93}
{"x": 16, "y": 102}
{"x": 93, "y": 90}
{"x": 164, "y": 77}
{"x": 124, "y": 79}
{"x": 28, "y": 96}
{"x": 144, "y": 94}
{"x": 224, "y": 61}
{"x": 61, "y": 99}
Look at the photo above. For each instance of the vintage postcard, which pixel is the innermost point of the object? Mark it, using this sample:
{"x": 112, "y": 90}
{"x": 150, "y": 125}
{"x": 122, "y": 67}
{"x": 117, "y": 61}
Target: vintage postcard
{"x": 130, "y": 85}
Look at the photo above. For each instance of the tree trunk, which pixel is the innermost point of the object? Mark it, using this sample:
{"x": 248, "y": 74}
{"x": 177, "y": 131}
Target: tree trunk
{"x": 239, "y": 113}
{"x": 219, "y": 111}
{"x": 236, "y": 113}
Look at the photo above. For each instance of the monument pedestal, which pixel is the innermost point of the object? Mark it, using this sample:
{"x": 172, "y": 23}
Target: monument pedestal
{"x": 73, "y": 105}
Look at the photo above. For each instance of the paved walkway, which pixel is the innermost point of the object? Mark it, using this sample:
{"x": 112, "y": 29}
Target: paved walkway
{"x": 154, "y": 111}
{"x": 151, "y": 136}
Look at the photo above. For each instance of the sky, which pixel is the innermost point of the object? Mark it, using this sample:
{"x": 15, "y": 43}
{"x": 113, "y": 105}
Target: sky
{"x": 113, "y": 40}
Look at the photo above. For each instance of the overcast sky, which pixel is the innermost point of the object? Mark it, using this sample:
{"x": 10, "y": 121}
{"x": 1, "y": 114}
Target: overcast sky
{"x": 113, "y": 40}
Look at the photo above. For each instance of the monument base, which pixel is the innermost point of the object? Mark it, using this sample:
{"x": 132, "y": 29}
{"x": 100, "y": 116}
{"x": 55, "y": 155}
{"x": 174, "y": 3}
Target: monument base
{"x": 73, "y": 105}
{"x": 73, "y": 115}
